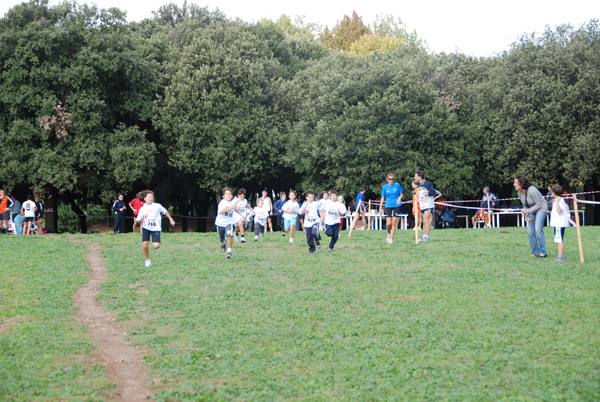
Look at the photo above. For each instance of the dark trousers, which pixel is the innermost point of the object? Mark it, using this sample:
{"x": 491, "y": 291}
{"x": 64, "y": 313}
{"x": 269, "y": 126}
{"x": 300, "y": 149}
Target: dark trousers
{"x": 258, "y": 228}
{"x": 119, "y": 223}
{"x": 312, "y": 236}
{"x": 280, "y": 222}
{"x": 334, "y": 232}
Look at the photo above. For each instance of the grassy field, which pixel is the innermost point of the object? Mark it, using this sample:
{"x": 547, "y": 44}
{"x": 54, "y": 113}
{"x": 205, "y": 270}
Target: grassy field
{"x": 44, "y": 354}
{"x": 467, "y": 317}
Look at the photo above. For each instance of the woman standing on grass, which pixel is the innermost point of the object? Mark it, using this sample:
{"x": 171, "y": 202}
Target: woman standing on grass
{"x": 535, "y": 209}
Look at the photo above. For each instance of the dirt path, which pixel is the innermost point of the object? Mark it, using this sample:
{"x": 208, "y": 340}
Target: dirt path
{"x": 122, "y": 361}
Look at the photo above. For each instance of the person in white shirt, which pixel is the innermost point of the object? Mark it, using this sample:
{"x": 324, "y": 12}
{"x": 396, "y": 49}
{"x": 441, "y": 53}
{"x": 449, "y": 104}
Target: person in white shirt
{"x": 559, "y": 219}
{"x": 310, "y": 209}
{"x": 268, "y": 204}
{"x": 243, "y": 209}
{"x": 228, "y": 217}
{"x": 260, "y": 219}
{"x": 150, "y": 215}
{"x": 28, "y": 213}
{"x": 333, "y": 211}
{"x": 290, "y": 214}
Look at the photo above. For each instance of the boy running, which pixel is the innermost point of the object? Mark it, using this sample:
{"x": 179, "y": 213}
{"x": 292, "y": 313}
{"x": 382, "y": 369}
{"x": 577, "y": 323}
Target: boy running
{"x": 310, "y": 209}
{"x": 227, "y": 218}
{"x": 242, "y": 204}
{"x": 150, "y": 216}
{"x": 333, "y": 211}
{"x": 290, "y": 214}
{"x": 559, "y": 219}
{"x": 260, "y": 219}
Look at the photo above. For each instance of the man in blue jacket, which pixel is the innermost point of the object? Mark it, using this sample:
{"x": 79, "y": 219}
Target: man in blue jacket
{"x": 119, "y": 208}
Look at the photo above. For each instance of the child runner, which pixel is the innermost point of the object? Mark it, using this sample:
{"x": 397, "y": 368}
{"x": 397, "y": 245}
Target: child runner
{"x": 391, "y": 194}
{"x": 559, "y": 219}
{"x": 260, "y": 219}
{"x": 135, "y": 206}
{"x": 290, "y": 213}
{"x": 332, "y": 214}
{"x": 242, "y": 204}
{"x": 150, "y": 216}
{"x": 278, "y": 212}
{"x": 310, "y": 209}
{"x": 268, "y": 204}
{"x": 427, "y": 196}
{"x": 227, "y": 218}
{"x": 28, "y": 213}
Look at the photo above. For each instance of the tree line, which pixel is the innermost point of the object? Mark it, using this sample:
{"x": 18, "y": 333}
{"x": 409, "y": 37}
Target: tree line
{"x": 190, "y": 101}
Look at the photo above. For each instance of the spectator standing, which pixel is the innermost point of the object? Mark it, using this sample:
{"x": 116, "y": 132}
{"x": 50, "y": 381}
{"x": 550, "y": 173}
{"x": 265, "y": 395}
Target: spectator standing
{"x": 5, "y": 207}
{"x": 135, "y": 206}
{"x": 535, "y": 208}
{"x": 39, "y": 214}
{"x": 279, "y": 212}
{"x": 119, "y": 208}
{"x": 16, "y": 208}
{"x": 28, "y": 213}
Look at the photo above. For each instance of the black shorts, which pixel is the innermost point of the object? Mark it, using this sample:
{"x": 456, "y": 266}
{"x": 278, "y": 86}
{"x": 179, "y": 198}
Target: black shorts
{"x": 147, "y": 234}
{"x": 392, "y": 212}
{"x": 5, "y": 216}
{"x": 427, "y": 209}
{"x": 29, "y": 219}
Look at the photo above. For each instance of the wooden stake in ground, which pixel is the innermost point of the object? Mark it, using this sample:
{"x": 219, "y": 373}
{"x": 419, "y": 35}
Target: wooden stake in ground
{"x": 489, "y": 216}
{"x": 578, "y": 228}
{"x": 356, "y": 215}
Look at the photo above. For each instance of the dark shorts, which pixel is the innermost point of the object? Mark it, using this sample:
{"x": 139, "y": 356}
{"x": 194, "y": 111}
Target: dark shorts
{"x": 425, "y": 210}
{"x": 225, "y": 231}
{"x": 147, "y": 234}
{"x": 5, "y": 216}
{"x": 392, "y": 212}
{"x": 29, "y": 219}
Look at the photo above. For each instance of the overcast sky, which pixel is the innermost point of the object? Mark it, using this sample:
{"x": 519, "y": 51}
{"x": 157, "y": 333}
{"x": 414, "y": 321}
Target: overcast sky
{"x": 473, "y": 27}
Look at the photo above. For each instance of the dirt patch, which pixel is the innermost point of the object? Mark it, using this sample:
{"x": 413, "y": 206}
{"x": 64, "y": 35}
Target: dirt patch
{"x": 122, "y": 361}
{"x": 7, "y": 323}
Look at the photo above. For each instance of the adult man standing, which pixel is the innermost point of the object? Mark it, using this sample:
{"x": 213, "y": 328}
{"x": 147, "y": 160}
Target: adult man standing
{"x": 16, "y": 208}
{"x": 391, "y": 196}
{"x": 5, "y": 206}
{"x": 119, "y": 208}
{"x": 427, "y": 196}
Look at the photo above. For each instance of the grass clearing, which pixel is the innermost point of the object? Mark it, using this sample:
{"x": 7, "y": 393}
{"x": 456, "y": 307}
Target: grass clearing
{"x": 44, "y": 354}
{"x": 469, "y": 316}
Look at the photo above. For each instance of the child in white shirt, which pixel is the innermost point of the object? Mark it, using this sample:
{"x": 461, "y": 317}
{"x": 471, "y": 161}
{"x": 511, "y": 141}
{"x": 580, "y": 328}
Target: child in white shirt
{"x": 150, "y": 214}
{"x": 559, "y": 219}
{"x": 333, "y": 211}
{"x": 310, "y": 209}
{"x": 290, "y": 213}
{"x": 227, "y": 218}
{"x": 260, "y": 218}
{"x": 243, "y": 209}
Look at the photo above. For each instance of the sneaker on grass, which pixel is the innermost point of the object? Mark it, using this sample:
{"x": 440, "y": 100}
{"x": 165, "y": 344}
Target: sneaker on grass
{"x": 148, "y": 263}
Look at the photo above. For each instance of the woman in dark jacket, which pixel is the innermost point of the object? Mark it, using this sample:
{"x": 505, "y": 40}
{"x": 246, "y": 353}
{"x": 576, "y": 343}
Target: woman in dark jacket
{"x": 535, "y": 208}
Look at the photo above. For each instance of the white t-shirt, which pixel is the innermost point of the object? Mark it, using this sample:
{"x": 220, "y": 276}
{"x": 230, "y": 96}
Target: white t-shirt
{"x": 151, "y": 215}
{"x": 29, "y": 209}
{"x": 261, "y": 214}
{"x": 242, "y": 206}
{"x": 311, "y": 214}
{"x": 332, "y": 216}
{"x": 230, "y": 217}
{"x": 267, "y": 203}
{"x": 290, "y": 206}
{"x": 559, "y": 220}
{"x": 321, "y": 203}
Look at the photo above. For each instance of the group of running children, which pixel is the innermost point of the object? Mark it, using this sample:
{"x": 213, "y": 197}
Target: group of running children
{"x": 328, "y": 211}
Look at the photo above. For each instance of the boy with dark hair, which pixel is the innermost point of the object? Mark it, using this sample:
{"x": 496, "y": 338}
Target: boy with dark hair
{"x": 242, "y": 204}
{"x": 28, "y": 213}
{"x": 5, "y": 205}
{"x": 227, "y": 217}
{"x": 150, "y": 214}
{"x": 310, "y": 209}
{"x": 333, "y": 211}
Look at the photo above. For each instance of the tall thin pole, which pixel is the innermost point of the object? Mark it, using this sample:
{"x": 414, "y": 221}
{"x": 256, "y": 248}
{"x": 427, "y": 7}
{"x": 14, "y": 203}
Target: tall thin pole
{"x": 578, "y": 228}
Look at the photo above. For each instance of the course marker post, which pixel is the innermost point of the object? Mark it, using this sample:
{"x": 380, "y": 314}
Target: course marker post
{"x": 488, "y": 215}
{"x": 369, "y": 213}
{"x": 578, "y": 228}
{"x": 355, "y": 218}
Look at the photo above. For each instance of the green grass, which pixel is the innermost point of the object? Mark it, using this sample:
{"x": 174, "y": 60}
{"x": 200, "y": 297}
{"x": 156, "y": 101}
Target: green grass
{"x": 467, "y": 317}
{"x": 44, "y": 354}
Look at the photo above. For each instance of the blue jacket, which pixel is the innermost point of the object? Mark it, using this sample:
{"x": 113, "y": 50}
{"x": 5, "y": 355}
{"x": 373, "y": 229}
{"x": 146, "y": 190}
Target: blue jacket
{"x": 117, "y": 205}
